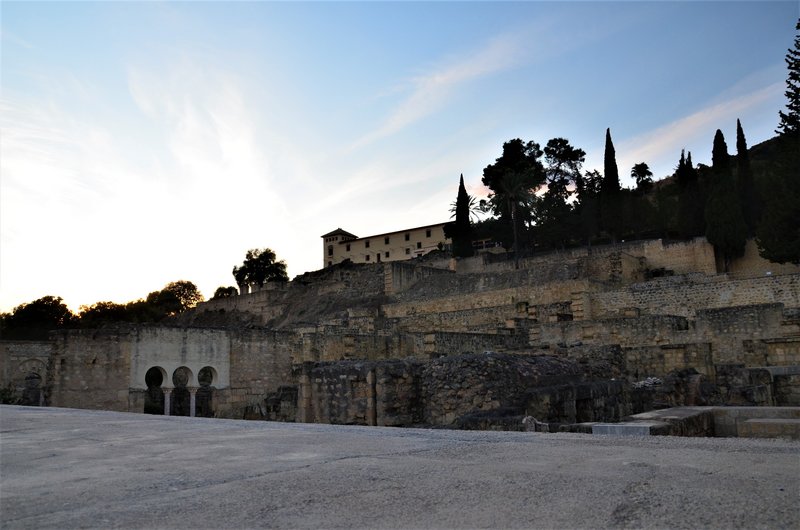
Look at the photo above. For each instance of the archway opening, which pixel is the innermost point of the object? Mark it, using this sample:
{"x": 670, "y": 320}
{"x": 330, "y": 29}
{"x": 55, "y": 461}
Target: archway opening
{"x": 154, "y": 397}
{"x": 206, "y": 377}
{"x": 181, "y": 398}
{"x": 32, "y": 391}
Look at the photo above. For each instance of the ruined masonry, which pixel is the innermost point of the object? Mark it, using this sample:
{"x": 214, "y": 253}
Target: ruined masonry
{"x": 568, "y": 339}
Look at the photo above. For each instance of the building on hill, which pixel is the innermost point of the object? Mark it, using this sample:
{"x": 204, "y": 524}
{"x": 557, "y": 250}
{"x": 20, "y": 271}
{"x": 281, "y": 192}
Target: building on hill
{"x": 341, "y": 245}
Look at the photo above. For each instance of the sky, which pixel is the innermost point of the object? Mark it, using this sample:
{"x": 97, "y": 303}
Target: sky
{"x": 149, "y": 142}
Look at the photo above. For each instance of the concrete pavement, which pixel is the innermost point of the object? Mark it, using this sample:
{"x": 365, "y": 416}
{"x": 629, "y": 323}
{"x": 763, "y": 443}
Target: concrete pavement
{"x": 62, "y": 468}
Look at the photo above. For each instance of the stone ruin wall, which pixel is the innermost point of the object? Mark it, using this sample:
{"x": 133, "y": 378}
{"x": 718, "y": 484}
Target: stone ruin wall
{"x": 486, "y": 391}
{"x": 90, "y": 369}
{"x": 684, "y": 295}
{"x": 425, "y": 312}
{"x": 23, "y": 369}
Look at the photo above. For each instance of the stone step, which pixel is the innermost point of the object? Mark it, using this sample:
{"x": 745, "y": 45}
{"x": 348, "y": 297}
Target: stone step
{"x": 769, "y": 428}
{"x": 632, "y": 428}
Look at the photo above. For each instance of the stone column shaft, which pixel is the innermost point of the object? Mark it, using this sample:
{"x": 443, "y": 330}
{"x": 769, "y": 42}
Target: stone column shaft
{"x": 167, "y": 401}
{"x": 192, "y": 401}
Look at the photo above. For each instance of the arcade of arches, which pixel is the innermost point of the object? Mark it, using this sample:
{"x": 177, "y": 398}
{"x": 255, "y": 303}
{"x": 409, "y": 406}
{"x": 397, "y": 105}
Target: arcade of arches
{"x": 185, "y": 396}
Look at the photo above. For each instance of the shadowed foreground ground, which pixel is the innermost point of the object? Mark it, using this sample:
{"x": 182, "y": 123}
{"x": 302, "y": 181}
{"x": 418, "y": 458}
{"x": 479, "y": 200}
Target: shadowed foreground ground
{"x": 63, "y": 468}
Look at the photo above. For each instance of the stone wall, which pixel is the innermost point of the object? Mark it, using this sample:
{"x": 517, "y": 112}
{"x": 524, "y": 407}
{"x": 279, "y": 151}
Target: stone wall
{"x": 627, "y": 331}
{"x": 91, "y": 369}
{"x": 362, "y": 392}
{"x": 658, "y": 361}
{"x": 402, "y": 275}
{"x": 261, "y": 362}
{"x": 23, "y": 370}
{"x": 685, "y": 295}
{"x": 455, "y": 386}
{"x": 751, "y": 264}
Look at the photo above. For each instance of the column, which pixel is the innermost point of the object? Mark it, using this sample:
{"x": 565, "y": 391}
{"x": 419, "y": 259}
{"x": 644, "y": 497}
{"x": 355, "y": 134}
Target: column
{"x": 192, "y": 400}
{"x": 167, "y": 400}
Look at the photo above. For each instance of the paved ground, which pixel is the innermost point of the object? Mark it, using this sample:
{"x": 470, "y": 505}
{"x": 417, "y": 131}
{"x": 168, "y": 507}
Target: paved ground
{"x": 66, "y": 468}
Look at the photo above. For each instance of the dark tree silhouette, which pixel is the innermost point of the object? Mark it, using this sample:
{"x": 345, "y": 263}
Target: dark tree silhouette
{"x": 587, "y": 188}
{"x": 643, "y": 177}
{"x": 554, "y": 215}
{"x": 34, "y": 320}
{"x": 610, "y": 198}
{"x": 259, "y": 266}
{"x": 749, "y": 198}
{"x": 725, "y": 226}
{"x": 778, "y": 233}
{"x": 224, "y": 292}
{"x": 512, "y": 179}
{"x": 790, "y": 120}
{"x": 103, "y": 313}
{"x": 691, "y": 199}
{"x": 460, "y": 230}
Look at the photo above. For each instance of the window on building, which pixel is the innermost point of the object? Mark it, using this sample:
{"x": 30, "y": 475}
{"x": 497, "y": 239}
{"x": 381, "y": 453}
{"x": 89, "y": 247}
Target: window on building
{"x": 330, "y": 250}
{"x": 385, "y": 240}
{"x": 366, "y": 243}
{"x": 387, "y": 254}
{"x": 377, "y": 257}
{"x": 428, "y": 232}
{"x": 408, "y": 251}
{"x": 347, "y": 247}
{"x": 330, "y": 263}
{"x": 367, "y": 257}
{"x": 419, "y": 244}
{"x": 408, "y": 237}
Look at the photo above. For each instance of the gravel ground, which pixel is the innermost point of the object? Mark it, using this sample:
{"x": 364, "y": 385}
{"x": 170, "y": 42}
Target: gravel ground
{"x": 63, "y": 468}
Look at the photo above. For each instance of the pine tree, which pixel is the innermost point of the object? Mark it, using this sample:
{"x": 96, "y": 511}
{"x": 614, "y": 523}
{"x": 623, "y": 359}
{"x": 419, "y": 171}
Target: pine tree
{"x": 725, "y": 226}
{"x": 748, "y": 194}
{"x": 790, "y": 120}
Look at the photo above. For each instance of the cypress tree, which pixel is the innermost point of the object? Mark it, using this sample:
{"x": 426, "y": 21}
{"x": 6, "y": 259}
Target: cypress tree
{"x": 748, "y": 194}
{"x": 610, "y": 200}
{"x": 725, "y": 226}
{"x": 610, "y": 172}
{"x": 462, "y": 235}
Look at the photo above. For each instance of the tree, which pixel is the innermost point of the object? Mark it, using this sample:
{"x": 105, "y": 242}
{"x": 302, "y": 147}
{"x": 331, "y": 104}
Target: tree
{"x": 186, "y": 292}
{"x": 513, "y": 178}
{"x": 460, "y": 230}
{"x": 554, "y": 215}
{"x": 643, "y": 177}
{"x": 790, "y": 120}
{"x": 749, "y": 199}
{"x": 224, "y": 292}
{"x": 34, "y": 320}
{"x": 610, "y": 203}
{"x": 778, "y": 233}
{"x": 610, "y": 172}
{"x": 103, "y": 313}
{"x": 725, "y": 226}
{"x": 691, "y": 220}
{"x": 259, "y": 266}
{"x": 587, "y": 187}
{"x": 175, "y": 297}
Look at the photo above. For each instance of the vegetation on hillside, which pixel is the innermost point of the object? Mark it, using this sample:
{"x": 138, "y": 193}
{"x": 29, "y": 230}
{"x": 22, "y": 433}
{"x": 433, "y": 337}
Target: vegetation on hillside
{"x": 545, "y": 204}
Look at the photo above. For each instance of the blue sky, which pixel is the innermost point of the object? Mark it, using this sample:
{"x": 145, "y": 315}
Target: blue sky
{"x": 147, "y": 142}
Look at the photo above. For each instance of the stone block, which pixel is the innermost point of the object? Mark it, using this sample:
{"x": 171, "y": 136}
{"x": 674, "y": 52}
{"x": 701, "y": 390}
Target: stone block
{"x": 638, "y": 428}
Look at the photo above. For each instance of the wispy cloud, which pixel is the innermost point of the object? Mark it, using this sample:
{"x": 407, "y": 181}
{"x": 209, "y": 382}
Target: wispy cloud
{"x": 669, "y": 139}
{"x": 431, "y": 91}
